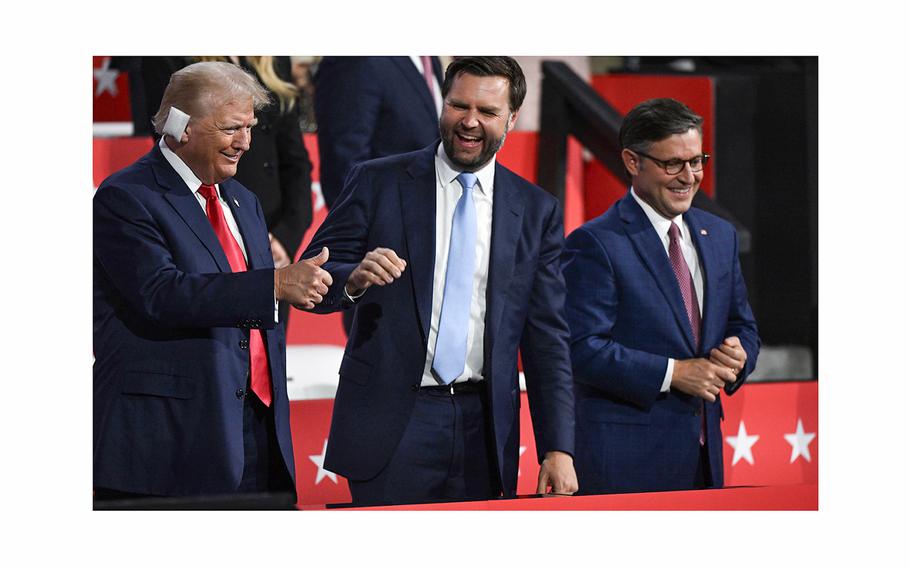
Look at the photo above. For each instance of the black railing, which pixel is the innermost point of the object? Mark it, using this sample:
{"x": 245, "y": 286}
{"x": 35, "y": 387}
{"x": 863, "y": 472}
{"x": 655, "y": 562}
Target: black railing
{"x": 570, "y": 106}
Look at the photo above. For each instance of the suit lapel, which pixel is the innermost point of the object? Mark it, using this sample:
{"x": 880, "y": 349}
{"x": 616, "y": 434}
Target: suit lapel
{"x": 650, "y": 248}
{"x": 246, "y": 222}
{"x": 707, "y": 254}
{"x": 508, "y": 209}
{"x": 187, "y": 206}
{"x": 417, "y": 81}
{"x": 418, "y": 210}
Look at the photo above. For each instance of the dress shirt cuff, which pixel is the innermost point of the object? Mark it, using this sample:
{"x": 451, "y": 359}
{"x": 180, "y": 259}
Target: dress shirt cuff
{"x": 352, "y": 299}
{"x": 665, "y": 387}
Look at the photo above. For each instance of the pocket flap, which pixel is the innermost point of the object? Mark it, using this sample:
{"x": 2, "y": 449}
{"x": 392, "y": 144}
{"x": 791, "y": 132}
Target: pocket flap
{"x": 355, "y": 369}
{"x": 602, "y": 410}
{"x": 158, "y": 384}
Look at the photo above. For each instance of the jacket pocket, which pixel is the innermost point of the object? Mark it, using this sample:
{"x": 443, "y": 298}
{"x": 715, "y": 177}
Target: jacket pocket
{"x": 355, "y": 370}
{"x": 602, "y": 410}
{"x": 152, "y": 383}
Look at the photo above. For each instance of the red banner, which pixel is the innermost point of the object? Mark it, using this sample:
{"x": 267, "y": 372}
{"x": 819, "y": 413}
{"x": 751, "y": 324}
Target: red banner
{"x": 781, "y": 498}
{"x": 770, "y": 438}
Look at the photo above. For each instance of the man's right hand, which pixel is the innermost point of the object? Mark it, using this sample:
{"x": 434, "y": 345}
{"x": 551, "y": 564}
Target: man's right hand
{"x": 700, "y": 377}
{"x": 380, "y": 266}
{"x": 303, "y": 283}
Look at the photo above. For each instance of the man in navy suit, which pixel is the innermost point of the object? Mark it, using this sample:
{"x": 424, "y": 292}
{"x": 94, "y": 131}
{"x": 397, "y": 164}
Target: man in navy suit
{"x": 190, "y": 393}
{"x": 372, "y": 107}
{"x": 427, "y": 406}
{"x": 660, "y": 318}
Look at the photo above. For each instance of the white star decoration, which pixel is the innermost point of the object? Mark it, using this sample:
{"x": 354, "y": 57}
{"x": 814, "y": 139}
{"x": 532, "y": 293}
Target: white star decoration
{"x": 321, "y": 473}
{"x": 800, "y": 441}
{"x": 106, "y": 78}
{"x": 742, "y": 444}
{"x": 521, "y": 450}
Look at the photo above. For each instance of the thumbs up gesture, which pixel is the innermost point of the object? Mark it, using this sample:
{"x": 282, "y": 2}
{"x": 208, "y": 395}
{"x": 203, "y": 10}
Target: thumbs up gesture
{"x": 304, "y": 283}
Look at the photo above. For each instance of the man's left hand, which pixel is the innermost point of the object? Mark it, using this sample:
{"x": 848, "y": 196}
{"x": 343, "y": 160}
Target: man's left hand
{"x": 730, "y": 354}
{"x": 558, "y": 472}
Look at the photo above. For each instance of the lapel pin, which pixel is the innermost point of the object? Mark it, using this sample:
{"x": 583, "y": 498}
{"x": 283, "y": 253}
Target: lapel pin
{"x": 238, "y": 205}
{"x": 703, "y": 231}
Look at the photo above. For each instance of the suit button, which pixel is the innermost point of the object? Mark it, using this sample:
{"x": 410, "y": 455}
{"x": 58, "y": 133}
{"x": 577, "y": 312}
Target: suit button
{"x": 415, "y": 387}
{"x": 244, "y": 344}
{"x": 239, "y": 393}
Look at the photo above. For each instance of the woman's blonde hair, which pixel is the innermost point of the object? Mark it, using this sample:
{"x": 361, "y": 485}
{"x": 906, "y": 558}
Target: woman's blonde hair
{"x": 264, "y": 65}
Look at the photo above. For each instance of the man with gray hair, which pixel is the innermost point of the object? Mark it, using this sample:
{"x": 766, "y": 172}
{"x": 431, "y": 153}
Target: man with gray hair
{"x": 190, "y": 394}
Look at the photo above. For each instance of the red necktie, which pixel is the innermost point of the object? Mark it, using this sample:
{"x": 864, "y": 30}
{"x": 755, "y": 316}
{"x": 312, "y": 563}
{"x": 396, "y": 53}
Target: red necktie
{"x": 687, "y": 289}
{"x": 260, "y": 377}
{"x": 686, "y": 285}
{"x": 428, "y": 72}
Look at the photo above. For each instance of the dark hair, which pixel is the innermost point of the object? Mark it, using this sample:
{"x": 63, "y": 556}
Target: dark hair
{"x": 487, "y": 67}
{"x": 655, "y": 120}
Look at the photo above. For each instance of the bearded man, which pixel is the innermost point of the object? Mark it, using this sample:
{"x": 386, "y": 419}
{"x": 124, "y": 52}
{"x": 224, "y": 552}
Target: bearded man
{"x": 451, "y": 264}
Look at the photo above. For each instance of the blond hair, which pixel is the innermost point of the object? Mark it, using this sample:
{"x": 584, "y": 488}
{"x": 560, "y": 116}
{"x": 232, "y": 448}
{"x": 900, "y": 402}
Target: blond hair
{"x": 200, "y": 88}
{"x": 264, "y": 65}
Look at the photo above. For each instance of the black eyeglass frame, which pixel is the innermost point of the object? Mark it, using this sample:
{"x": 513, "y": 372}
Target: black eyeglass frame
{"x": 665, "y": 164}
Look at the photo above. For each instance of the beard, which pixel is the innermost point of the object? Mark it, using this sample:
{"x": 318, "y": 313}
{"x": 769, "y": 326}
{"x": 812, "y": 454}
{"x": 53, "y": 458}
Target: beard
{"x": 488, "y": 150}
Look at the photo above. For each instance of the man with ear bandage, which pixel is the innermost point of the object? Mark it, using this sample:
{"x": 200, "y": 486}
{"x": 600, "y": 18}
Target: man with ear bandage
{"x": 189, "y": 376}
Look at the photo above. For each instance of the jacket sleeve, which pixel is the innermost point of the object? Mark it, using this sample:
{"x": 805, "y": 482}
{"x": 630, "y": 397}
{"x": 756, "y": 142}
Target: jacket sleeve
{"x": 741, "y": 322}
{"x": 592, "y": 308}
{"x": 544, "y": 348}
{"x": 344, "y": 232}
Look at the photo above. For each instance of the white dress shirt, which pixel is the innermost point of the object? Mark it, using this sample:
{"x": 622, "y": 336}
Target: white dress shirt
{"x": 448, "y": 191}
{"x": 193, "y": 182}
{"x": 662, "y": 226}
{"x": 437, "y": 90}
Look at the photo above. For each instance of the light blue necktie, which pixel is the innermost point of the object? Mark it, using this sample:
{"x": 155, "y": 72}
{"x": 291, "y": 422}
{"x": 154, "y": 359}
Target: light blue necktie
{"x": 452, "y": 341}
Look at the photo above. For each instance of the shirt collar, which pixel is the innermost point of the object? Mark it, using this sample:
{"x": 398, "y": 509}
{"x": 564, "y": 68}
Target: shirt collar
{"x": 447, "y": 171}
{"x": 183, "y": 170}
{"x": 661, "y": 224}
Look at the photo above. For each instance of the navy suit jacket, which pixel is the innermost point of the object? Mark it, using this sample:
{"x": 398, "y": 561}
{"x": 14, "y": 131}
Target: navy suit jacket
{"x": 171, "y": 326}
{"x": 391, "y": 203}
{"x": 370, "y": 107}
{"x": 627, "y": 318}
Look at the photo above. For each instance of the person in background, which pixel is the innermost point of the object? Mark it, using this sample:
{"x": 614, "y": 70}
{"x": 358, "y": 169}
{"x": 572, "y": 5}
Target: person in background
{"x": 371, "y": 107}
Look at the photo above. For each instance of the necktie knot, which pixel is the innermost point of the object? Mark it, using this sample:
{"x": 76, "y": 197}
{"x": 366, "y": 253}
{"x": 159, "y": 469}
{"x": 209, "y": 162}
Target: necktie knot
{"x": 674, "y": 231}
{"x": 467, "y": 180}
{"x": 208, "y": 192}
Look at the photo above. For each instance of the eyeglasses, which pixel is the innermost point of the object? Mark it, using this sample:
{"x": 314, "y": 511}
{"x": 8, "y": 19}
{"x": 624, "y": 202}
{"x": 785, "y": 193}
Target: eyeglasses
{"x": 674, "y": 166}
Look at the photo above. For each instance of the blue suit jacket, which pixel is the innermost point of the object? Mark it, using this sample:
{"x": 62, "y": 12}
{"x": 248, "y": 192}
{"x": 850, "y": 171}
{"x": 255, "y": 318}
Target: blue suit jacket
{"x": 391, "y": 203}
{"x": 370, "y": 107}
{"x": 627, "y": 318}
{"x": 171, "y": 324}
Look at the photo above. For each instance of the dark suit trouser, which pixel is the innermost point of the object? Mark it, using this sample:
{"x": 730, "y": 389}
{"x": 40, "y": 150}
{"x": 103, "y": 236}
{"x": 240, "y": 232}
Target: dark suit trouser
{"x": 445, "y": 454}
{"x": 264, "y": 469}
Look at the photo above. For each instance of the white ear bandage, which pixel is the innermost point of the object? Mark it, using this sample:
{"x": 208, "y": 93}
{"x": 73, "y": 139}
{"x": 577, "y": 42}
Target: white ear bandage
{"x": 176, "y": 123}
